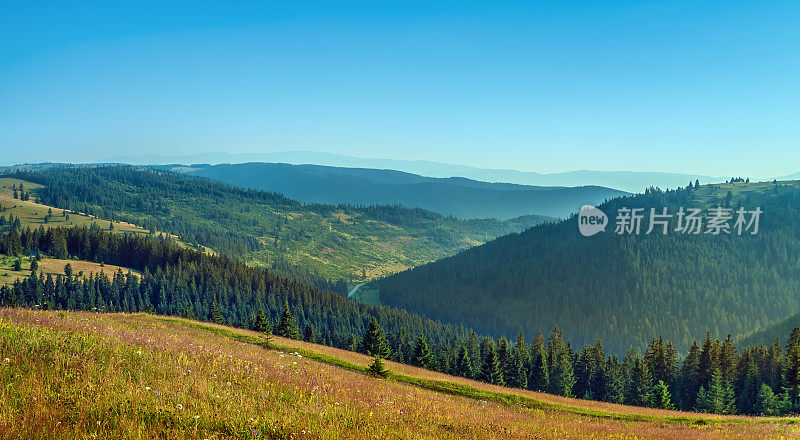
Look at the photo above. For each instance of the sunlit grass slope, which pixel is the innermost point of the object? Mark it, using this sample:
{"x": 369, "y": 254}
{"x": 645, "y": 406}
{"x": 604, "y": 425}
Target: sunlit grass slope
{"x": 83, "y": 375}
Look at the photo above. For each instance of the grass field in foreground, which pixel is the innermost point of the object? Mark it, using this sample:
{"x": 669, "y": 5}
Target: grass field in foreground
{"x": 84, "y": 375}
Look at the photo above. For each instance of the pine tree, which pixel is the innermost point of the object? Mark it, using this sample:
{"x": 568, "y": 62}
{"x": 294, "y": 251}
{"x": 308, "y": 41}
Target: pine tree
{"x": 615, "y": 381}
{"x": 262, "y": 323}
{"x": 491, "y": 371}
{"x": 689, "y": 374}
{"x": 374, "y": 342}
{"x": 309, "y": 335}
{"x": 718, "y": 398}
{"x": 727, "y": 359}
{"x": 539, "y": 375}
{"x": 520, "y": 363}
{"x": 750, "y": 384}
{"x": 286, "y": 326}
{"x": 792, "y": 369}
{"x": 377, "y": 368}
{"x": 422, "y": 354}
{"x": 464, "y": 363}
{"x": 708, "y": 361}
{"x": 473, "y": 349}
{"x": 505, "y": 359}
{"x": 639, "y": 389}
{"x": 216, "y": 315}
{"x": 559, "y": 361}
{"x": 766, "y": 402}
{"x": 661, "y": 396}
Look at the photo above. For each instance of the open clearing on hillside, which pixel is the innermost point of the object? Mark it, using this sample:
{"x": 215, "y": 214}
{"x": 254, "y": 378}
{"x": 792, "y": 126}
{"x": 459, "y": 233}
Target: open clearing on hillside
{"x": 85, "y": 375}
{"x": 32, "y": 214}
{"x": 54, "y": 266}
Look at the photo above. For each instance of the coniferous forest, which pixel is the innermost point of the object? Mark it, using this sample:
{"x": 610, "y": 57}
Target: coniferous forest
{"x": 623, "y": 288}
{"x": 713, "y": 376}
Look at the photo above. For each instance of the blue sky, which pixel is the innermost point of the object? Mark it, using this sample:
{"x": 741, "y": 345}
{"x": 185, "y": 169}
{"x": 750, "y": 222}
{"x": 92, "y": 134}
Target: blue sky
{"x": 694, "y": 86}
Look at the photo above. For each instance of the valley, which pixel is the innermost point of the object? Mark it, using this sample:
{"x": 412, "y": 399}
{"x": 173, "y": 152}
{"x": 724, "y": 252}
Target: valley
{"x": 314, "y": 242}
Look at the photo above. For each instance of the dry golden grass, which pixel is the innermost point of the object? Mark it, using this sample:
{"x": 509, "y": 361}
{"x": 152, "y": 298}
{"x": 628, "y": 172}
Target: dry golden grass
{"x": 32, "y": 214}
{"x": 55, "y": 266}
{"x": 84, "y": 375}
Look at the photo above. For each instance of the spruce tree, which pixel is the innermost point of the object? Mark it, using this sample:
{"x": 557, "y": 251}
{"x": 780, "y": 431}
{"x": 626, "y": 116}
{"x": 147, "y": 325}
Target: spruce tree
{"x": 374, "y": 342}
{"x": 262, "y": 323}
{"x": 559, "y": 361}
{"x": 615, "y": 381}
{"x": 718, "y": 398}
{"x": 216, "y": 315}
{"x": 286, "y": 326}
{"x": 309, "y": 335}
{"x": 690, "y": 381}
{"x": 750, "y": 385}
{"x": 661, "y": 396}
{"x": 766, "y": 402}
{"x": 639, "y": 389}
{"x": 464, "y": 363}
{"x": 377, "y": 368}
{"x": 792, "y": 369}
{"x": 422, "y": 354}
{"x": 505, "y": 359}
{"x": 539, "y": 375}
{"x": 491, "y": 371}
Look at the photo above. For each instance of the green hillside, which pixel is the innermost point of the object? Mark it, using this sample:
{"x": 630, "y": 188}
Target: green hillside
{"x": 336, "y": 242}
{"x": 623, "y": 288}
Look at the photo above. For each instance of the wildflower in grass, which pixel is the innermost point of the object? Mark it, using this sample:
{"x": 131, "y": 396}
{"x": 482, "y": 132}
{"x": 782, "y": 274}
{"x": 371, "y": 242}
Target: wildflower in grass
{"x": 229, "y": 384}
{"x": 147, "y": 388}
{"x": 196, "y": 417}
{"x": 6, "y": 360}
{"x": 179, "y": 406}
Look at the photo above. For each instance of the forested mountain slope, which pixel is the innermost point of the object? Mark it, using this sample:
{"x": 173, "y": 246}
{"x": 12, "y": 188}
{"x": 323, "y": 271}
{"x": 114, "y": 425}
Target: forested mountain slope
{"x": 623, "y": 288}
{"x": 337, "y": 242}
{"x": 456, "y": 196}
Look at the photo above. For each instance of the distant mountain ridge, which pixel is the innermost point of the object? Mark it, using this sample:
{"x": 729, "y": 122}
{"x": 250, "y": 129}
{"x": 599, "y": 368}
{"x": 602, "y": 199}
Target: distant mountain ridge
{"x": 456, "y": 196}
{"x": 629, "y": 181}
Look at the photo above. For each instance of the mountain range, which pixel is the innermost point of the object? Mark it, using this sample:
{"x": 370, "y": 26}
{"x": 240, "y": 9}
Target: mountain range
{"x": 629, "y": 181}
{"x": 453, "y": 196}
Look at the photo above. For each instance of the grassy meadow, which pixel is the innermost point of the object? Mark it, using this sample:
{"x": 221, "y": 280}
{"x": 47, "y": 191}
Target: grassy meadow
{"x": 80, "y": 375}
{"x": 32, "y": 214}
{"x": 55, "y": 266}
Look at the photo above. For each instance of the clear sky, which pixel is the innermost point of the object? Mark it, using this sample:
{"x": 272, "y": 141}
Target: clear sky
{"x": 683, "y": 86}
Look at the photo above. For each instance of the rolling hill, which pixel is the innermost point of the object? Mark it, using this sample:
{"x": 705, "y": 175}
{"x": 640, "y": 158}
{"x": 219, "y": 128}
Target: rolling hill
{"x": 264, "y": 228}
{"x": 68, "y": 375}
{"x": 454, "y": 196}
{"x": 622, "y": 288}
